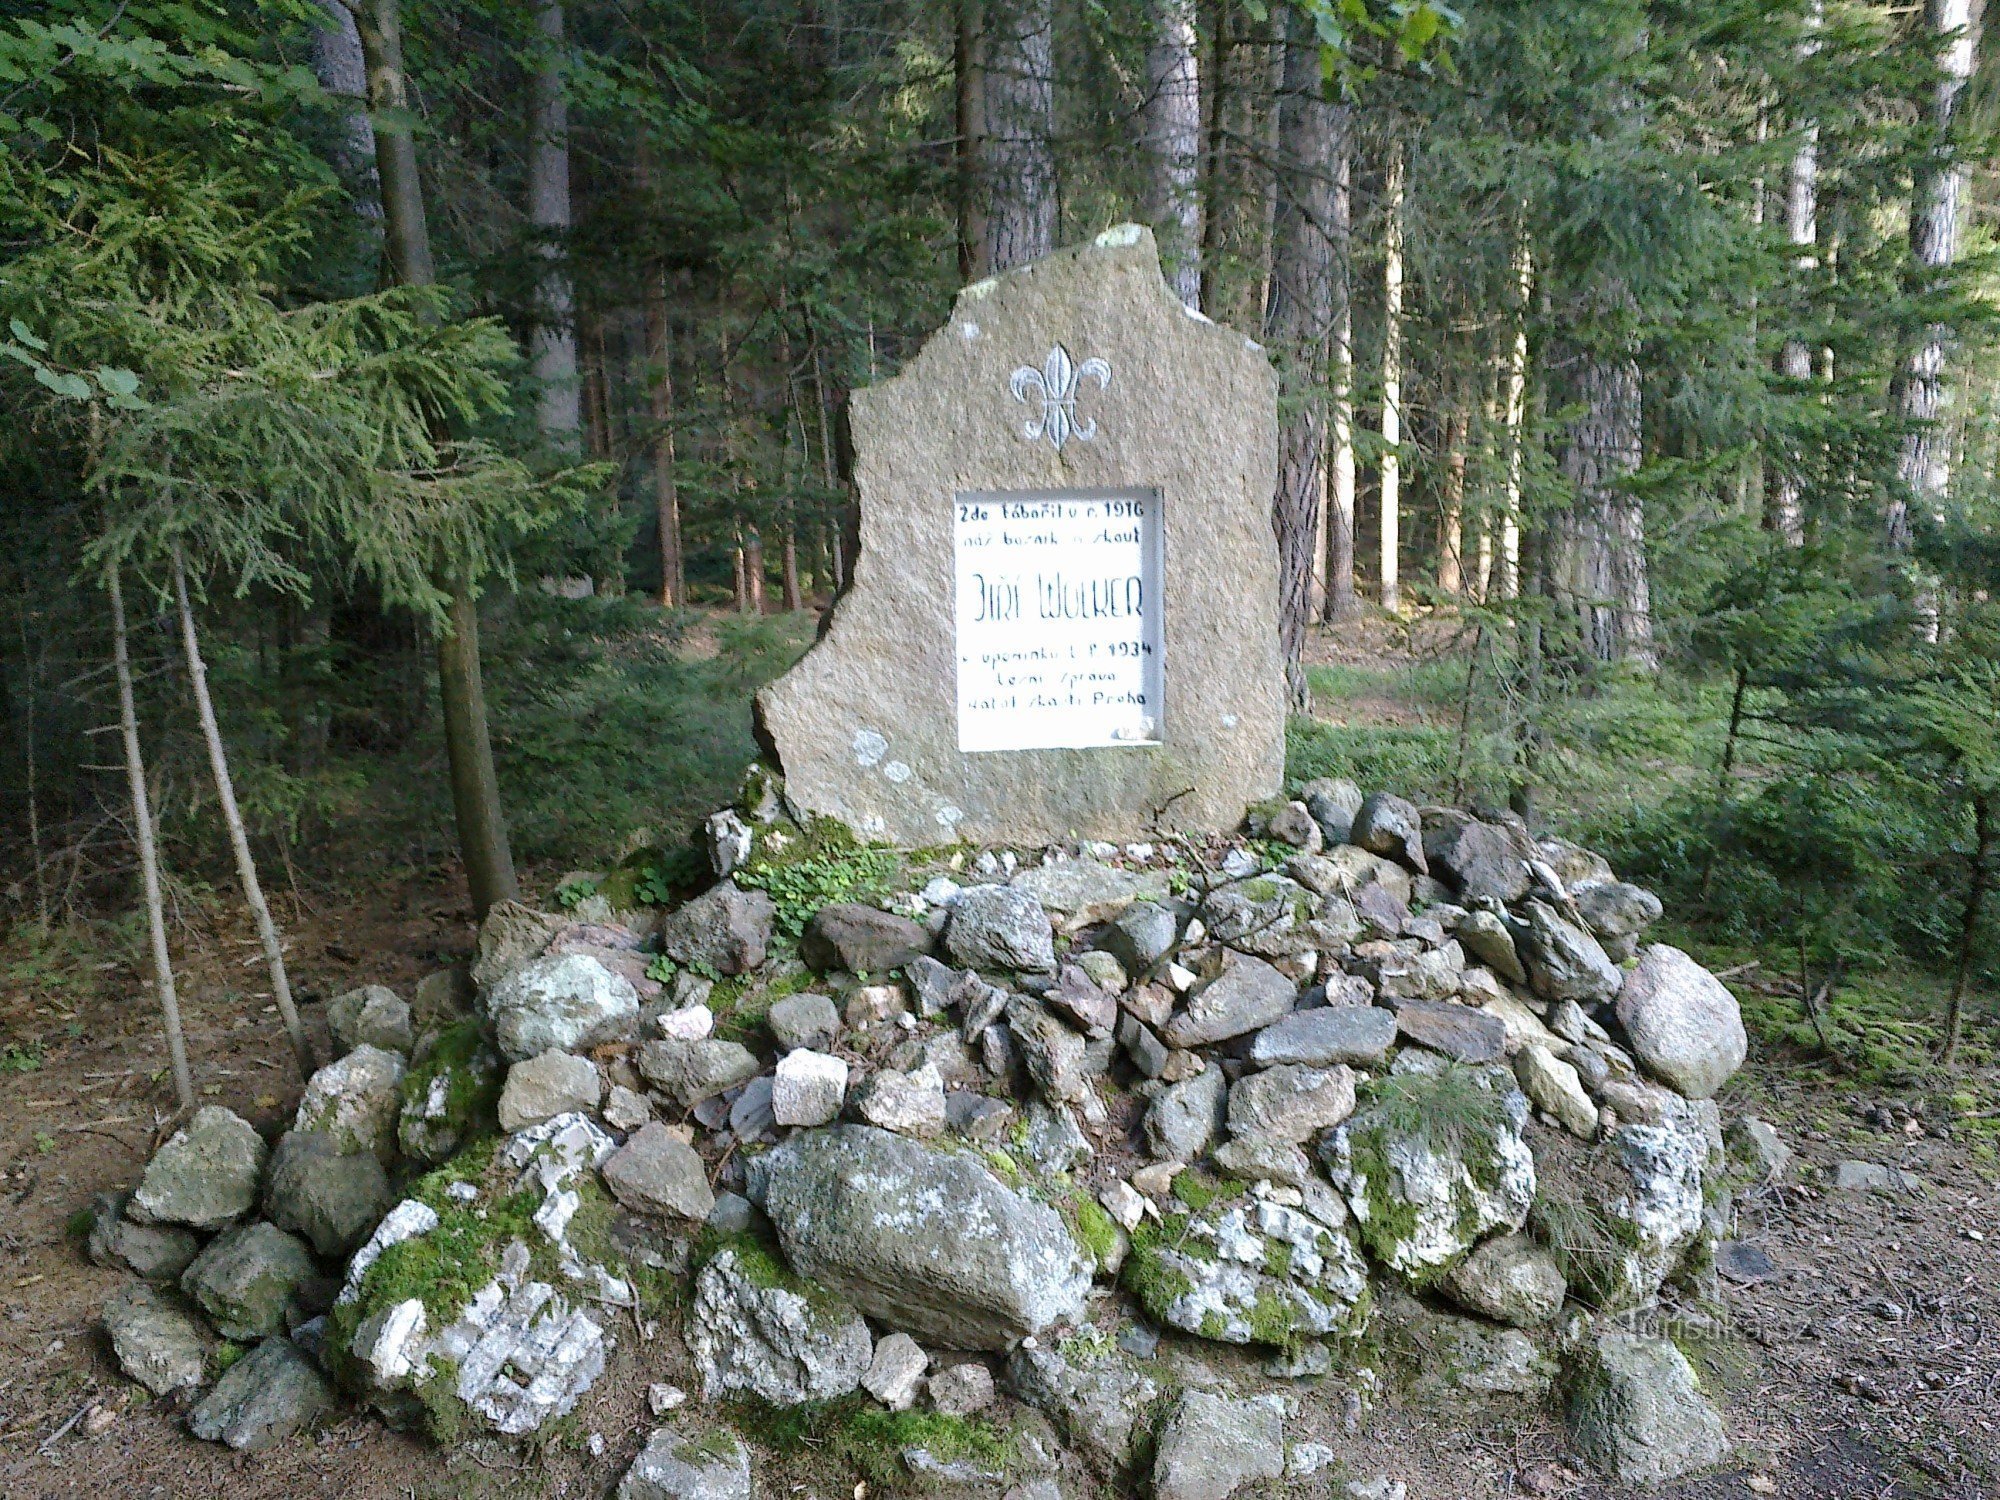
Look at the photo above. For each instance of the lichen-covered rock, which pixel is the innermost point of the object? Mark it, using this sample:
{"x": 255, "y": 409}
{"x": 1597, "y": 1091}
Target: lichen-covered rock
{"x": 332, "y": 1199}
{"x": 1468, "y": 1363}
{"x": 1333, "y": 801}
{"x": 1637, "y": 1411}
{"x": 1085, "y": 892}
{"x": 1247, "y": 996}
{"x": 1488, "y": 938}
{"x": 726, "y": 928}
{"x": 1290, "y": 1103}
{"x": 549, "y": 1084}
{"x": 689, "y": 1072}
{"x": 373, "y": 1016}
{"x": 1053, "y": 1053}
{"x": 862, "y": 939}
{"x": 565, "y": 1002}
{"x": 1269, "y": 916}
{"x": 1360, "y": 1035}
{"x": 155, "y": 1341}
{"x": 1431, "y": 1164}
{"x": 205, "y": 1176}
{"x": 449, "y": 1093}
{"x": 1480, "y": 861}
{"x": 755, "y": 1330}
{"x": 1685, "y": 1027}
{"x": 999, "y": 927}
{"x": 1618, "y": 912}
{"x": 1097, "y": 1401}
{"x": 1391, "y": 828}
{"x": 656, "y": 1172}
{"x": 355, "y": 1100}
{"x": 909, "y": 1103}
{"x": 927, "y": 1241}
{"x": 1563, "y": 960}
{"x": 807, "y": 1020}
{"x": 1186, "y": 1116}
{"x": 512, "y": 936}
{"x": 264, "y": 1398}
{"x": 154, "y": 1252}
{"x": 1140, "y": 937}
{"x": 1249, "y": 1271}
{"x": 808, "y": 1088}
{"x": 1553, "y": 1087}
{"x": 1214, "y": 1445}
{"x": 675, "y": 1466}
{"x": 1510, "y": 1279}
{"x": 246, "y": 1279}
{"x": 1461, "y": 1033}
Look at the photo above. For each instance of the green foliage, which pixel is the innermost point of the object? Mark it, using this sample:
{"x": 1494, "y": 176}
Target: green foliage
{"x": 573, "y": 893}
{"x": 824, "y": 864}
{"x": 862, "y": 1439}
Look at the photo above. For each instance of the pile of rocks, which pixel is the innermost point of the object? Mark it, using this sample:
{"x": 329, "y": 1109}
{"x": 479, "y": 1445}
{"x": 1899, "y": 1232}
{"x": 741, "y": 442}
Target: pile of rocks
{"x": 979, "y": 1142}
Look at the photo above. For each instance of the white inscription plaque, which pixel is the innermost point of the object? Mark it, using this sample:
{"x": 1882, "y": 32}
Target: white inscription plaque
{"x": 1059, "y": 643}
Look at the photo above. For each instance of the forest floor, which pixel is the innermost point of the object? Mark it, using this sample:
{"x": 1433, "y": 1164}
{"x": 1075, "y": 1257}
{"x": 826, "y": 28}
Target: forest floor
{"x": 1866, "y": 1363}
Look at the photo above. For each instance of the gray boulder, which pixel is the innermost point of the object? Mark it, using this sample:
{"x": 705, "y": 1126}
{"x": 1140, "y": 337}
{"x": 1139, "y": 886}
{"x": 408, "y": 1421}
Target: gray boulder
{"x": 265, "y": 1397}
{"x": 449, "y": 1093}
{"x": 674, "y": 1466}
{"x": 1098, "y": 1404}
{"x": 1637, "y": 1412}
{"x": 1618, "y": 912}
{"x": 1685, "y": 1027}
{"x": 246, "y": 1280}
{"x": 205, "y": 1176}
{"x": 1083, "y": 892}
{"x": 1511, "y": 1280}
{"x": 1249, "y": 1271}
{"x": 809, "y": 1021}
{"x": 1757, "y": 1148}
{"x": 1293, "y": 823}
{"x": 1467, "y": 1363}
{"x": 355, "y": 1100}
{"x": 1488, "y": 938}
{"x": 512, "y": 935}
{"x": 549, "y": 1084}
{"x": 1053, "y": 1054}
{"x": 372, "y": 1016}
{"x": 655, "y": 1172}
{"x": 1333, "y": 801}
{"x": 725, "y": 928}
{"x": 1140, "y": 937}
{"x": 927, "y": 1241}
{"x": 999, "y": 927}
{"x": 861, "y": 939}
{"x": 1360, "y": 1035}
{"x": 568, "y": 1003}
{"x": 153, "y": 1252}
{"x": 1212, "y": 1446}
{"x": 1458, "y": 1031}
{"x": 1247, "y": 996}
{"x": 1564, "y": 962}
{"x": 1270, "y": 916}
{"x": 330, "y": 1198}
{"x": 1290, "y": 1103}
{"x": 1186, "y": 1116}
{"x": 1480, "y": 861}
{"x": 156, "y": 1343}
{"x": 1431, "y": 1164}
{"x": 689, "y": 1072}
{"x": 1390, "y": 828}
{"x": 752, "y": 1330}
{"x": 909, "y": 1103}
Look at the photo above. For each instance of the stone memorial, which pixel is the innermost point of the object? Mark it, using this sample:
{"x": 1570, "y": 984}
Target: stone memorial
{"x": 1062, "y": 621}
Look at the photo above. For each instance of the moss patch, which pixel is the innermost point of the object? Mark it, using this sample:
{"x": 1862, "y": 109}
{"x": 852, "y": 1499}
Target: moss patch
{"x": 868, "y": 1443}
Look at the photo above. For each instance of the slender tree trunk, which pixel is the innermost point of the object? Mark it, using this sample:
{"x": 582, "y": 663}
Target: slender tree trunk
{"x": 1604, "y": 557}
{"x": 1451, "y": 520}
{"x": 149, "y": 858}
{"x": 660, "y": 394}
{"x": 1785, "y": 514}
{"x": 1514, "y": 419}
{"x": 232, "y": 821}
{"x": 338, "y": 65}
{"x": 788, "y": 564}
{"x": 1984, "y": 835}
{"x": 753, "y": 571}
{"x": 1339, "y": 598}
{"x": 1215, "y": 180}
{"x": 1298, "y": 318}
{"x": 1392, "y": 382}
{"x": 969, "y": 149}
{"x": 475, "y": 788}
{"x": 1020, "y": 123}
{"x": 1171, "y": 121}
{"x": 552, "y": 342}
{"x": 1924, "y": 465}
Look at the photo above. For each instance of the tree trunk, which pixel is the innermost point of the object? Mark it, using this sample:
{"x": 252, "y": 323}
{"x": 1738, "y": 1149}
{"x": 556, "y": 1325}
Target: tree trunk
{"x": 1984, "y": 835}
{"x": 475, "y": 789}
{"x": 1392, "y": 383}
{"x": 1603, "y": 565}
{"x": 1171, "y": 121}
{"x": 1924, "y": 466}
{"x": 753, "y": 571}
{"x": 149, "y": 858}
{"x": 1215, "y": 187}
{"x": 338, "y": 65}
{"x": 1785, "y": 514}
{"x": 1514, "y": 418}
{"x": 1298, "y": 317}
{"x": 1451, "y": 519}
{"x": 1020, "y": 123}
{"x": 1338, "y": 600}
{"x": 232, "y": 821}
{"x": 660, "y": 393}
{"x": 969, "y": 148}
{"x": 552, "y": 341}
{"x": 788, "y": 565}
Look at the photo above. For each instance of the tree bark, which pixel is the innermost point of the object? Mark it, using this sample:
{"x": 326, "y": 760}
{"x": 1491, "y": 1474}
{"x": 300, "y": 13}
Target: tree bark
{"x": 753, "y": 571}
{"x": 1215, "y": 187}
{"x": 1514, "y": 418}
{"x": 475, "y": 788}
{"x": 232, "y": 821}
{"x": 552, "y": 341}
{"x": 342, "y": 72}
{"x": 969, "y": 148}
{"x": 1170, "y": 119}
{"x": 149, "y": 857}
{"x": 1451, "y": 518}
{"x": 1298, "y": 318}
{"x": 1020, "y": 141}
{"x": 1785, "y": 514}
{"x": 1603, "y": 563}
{"x": 660, "y": 395}
{"x": 1984, "y": 836}
{"x": 1392, "y": 383}
{"x": 1338, "y": 598}
{"x": 1924, "y": 465}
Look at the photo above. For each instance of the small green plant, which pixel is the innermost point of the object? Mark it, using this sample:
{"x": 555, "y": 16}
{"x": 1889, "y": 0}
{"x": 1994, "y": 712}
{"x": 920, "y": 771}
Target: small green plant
{"x": 825, "y": 864}
{"x": 573, "y": 893}
{"x": 662, "y": 969}
{"x": 19, "y": 1059}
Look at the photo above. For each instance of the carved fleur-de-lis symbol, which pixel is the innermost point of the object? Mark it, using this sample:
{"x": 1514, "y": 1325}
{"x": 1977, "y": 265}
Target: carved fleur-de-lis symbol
{"x": 1056, "y": 383}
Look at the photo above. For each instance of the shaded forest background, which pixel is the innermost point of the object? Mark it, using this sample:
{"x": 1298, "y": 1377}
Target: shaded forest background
{"x": 461, "y": 372}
